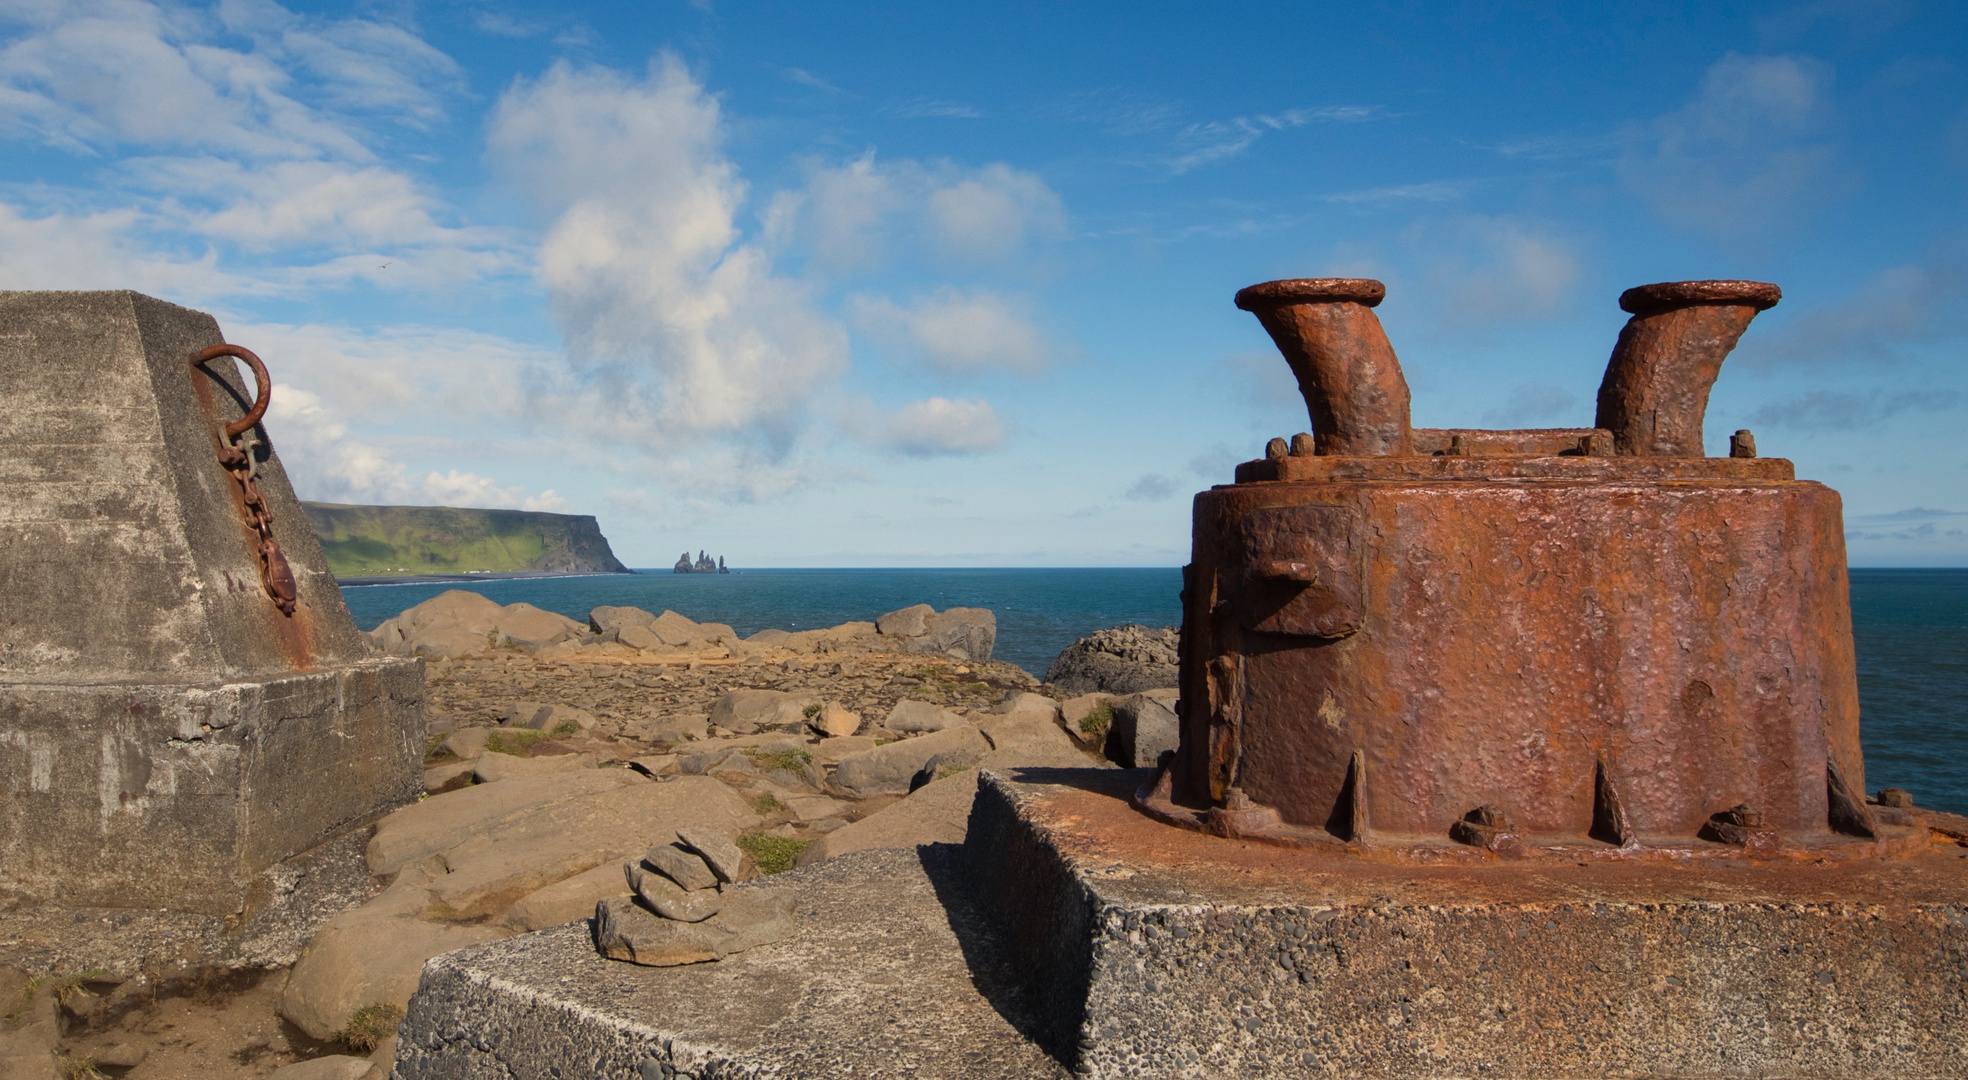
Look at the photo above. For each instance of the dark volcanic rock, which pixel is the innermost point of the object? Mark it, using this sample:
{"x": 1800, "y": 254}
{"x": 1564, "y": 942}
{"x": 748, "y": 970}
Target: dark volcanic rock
{"x": 1121, "y": 660}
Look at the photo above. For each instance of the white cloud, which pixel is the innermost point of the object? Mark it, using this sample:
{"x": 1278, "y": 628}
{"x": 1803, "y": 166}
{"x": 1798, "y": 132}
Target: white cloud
{"x": 939, "y": 426}
{"x": 1488, "y": 270}
{"x": 1152, "y": 487}
{"x": 643, "y": 263}
{"x": 1899, "y": 306}
{"x": 100, "y": 251}
{"x": 960, "y": 332}
{"x": 1748, "y": 151}
{"x": 851, "y": 215}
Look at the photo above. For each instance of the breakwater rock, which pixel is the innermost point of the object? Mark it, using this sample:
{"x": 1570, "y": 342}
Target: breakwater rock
{"x": 1122, "y": 660}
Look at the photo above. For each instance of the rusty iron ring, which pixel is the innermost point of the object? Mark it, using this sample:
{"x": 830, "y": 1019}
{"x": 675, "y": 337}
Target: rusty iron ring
{"x": 262, "y": 381}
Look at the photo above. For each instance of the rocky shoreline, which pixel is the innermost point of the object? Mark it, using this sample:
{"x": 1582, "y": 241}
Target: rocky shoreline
{"x": 557, "y": 751}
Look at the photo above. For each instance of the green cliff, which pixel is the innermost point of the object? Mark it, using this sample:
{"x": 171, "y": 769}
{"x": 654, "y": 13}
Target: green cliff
{"x": 377, "y": 541}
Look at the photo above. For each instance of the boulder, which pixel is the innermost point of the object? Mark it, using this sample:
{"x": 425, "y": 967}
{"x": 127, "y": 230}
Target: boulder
{"x": 447, "y": 643}
{"x": 553, "y": 718}
{"x": 769, "y": 637}
{"x": 1144, "y": 725}
{"x": 1078, "y": 714}
{"x": 523, "y": 626}
{"x": 835, "y": 722}
{"x": 746, "y": 711}
{"x": 466, "y": 743}
{"x": 936, "y": 813}
{"x": 361, "y": 958}
{"x": 962, "y": 632}
{"x": 607, "y": 620}
{"x": 1122, "y": 660}
{"x": 491, "y": 768}
{"x": 418, "y": 831}
{"x": 887, "y": 770}
{"x": 910, "y": 715}
{"x": 331, "y": 1067}
{"x": 676, "y": 631}
{"x": 909, "y": 622}
{"x": 750, "y": 917}
{"x": 565, "y": 901}
{"x": 641, "y": 636}
{"x": 468, "y": 611}
{"x": 491, "y": 871}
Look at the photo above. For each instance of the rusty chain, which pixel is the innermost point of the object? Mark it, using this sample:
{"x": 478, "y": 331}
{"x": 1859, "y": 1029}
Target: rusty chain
{"x": 237, "y": 443}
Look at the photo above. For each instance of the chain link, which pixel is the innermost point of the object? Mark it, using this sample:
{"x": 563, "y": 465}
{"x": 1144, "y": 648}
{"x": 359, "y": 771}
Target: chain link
{"x": 238, "y": 453}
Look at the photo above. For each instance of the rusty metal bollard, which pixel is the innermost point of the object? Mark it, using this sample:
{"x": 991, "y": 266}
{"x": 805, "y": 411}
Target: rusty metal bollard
{"x": 1656, "y": 388}
{"x": 1346, "y": 369}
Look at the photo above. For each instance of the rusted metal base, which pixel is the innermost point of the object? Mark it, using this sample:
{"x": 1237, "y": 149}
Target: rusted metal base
{"x": 1472, "y": 840}
{"x": 1167, "y": 952}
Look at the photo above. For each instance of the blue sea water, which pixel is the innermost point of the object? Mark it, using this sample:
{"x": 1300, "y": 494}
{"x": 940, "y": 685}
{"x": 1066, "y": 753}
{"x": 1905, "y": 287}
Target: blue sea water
{"x": 1911, "y": 629}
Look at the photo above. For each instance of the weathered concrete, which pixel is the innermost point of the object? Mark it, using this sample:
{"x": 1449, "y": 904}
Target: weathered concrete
{"x": 167, "y": 735}
{"x": 1153, "y": 951}
{"x": 888, "y": 974}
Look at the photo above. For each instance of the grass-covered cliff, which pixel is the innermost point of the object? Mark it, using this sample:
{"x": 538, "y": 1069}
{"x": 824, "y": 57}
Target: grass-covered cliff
{"x": 374, "y": 541}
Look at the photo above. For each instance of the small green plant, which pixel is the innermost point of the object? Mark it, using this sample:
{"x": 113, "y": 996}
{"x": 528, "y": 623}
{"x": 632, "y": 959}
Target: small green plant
{"x": 568, "y": 728}
{"x": 434, "y": 750}
{"x": 369, "y": 1026}
{"x": 948, "y": 770}
{"x": 789, "y": 760}
{"x": 766, "y": 804}
{"x": 24, "y": 997}
{"x": 812, "y": 710}
{"x": 773, "y": 854}
{"x": 512, "y": 742}
{"x": 1098, "y": 719}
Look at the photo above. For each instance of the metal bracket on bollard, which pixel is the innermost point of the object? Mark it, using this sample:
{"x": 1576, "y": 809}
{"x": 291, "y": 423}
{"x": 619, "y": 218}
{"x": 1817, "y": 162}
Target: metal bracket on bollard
{"x": 236, "y": 446}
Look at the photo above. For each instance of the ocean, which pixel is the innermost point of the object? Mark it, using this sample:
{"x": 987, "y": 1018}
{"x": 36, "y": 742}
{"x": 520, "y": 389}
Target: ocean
{"x": 1910, "y": 627}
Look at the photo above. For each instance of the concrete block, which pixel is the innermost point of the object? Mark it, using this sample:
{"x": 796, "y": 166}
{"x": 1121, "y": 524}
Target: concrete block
{"x": 876, "y": 980}
{"x": 1152, "y": 951}
{"x": 167, "y": 734}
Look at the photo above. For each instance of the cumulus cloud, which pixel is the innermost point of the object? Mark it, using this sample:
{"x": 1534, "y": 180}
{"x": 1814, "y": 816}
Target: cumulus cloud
{"x": 850, "y": 215}
{"x": 1489, "y": 270}
{"x": 1898, "y": 306}
{"x": 100, "y": 251}
{"x": 264, "y": 148}
{"x": 1152, "y": 487}
{"x": 643, "y": 262}
{"x": 961, "y": 332}
{"x": 1831, "y": 410}
{"x": 1751, "y": 148}
{"x": 939, "y": 426}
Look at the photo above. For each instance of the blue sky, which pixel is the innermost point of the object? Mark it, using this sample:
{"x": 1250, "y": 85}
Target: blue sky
{"x": 950, "y": 284}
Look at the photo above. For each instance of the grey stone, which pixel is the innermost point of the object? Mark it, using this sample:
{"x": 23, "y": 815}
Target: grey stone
{"x": 746, "y": 711}
{"x": 963, "y": 632}
{"x": 750, "y": 917}
{"x": 331, "y": 1067}
{"x": 912, "y": 621}
{"x": 1148, "y": 950}
{"x": 887, "y": 770}
{"x": 166, "y": 735}
{"x": 873, "y": 982}
{"x": 671, "y": 900}
{"x": 609, "y": 619}
{"x": 1121, "y": 660}
{"x": 685, "y": 868}
{"x": 910, "y": 715}
{"x": 1144, "y": 726}
{"x": 835, "y": 721}
{"x": 726, "y": 859}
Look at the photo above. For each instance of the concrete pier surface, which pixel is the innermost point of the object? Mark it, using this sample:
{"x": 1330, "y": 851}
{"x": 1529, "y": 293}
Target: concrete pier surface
{"x": 1073, "y": 934}
{"x": 168, "y": 734}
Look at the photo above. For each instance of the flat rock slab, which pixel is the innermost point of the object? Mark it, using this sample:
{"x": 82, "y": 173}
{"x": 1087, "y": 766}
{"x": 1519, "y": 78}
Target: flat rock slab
{"x": 1151, "y": 951}
{"x": 881, "y": 978}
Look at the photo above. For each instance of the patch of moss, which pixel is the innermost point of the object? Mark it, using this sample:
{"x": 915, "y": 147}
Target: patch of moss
{"x": 369, "y": 1026}
{"x": 512, "y": 742}
{"x": 1098, "y": 719}
{"x": 812, "y": 710}
{"x": 773, "y": 854}
{"x": 789, "y": 760}
{"x": 766, "y": 804}
{"x": 568, "y": 728}
{"x": 79, "y": 1068}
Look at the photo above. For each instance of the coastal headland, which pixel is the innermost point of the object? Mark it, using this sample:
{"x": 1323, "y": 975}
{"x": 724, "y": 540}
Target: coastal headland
{"x": 364, "y": 543}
